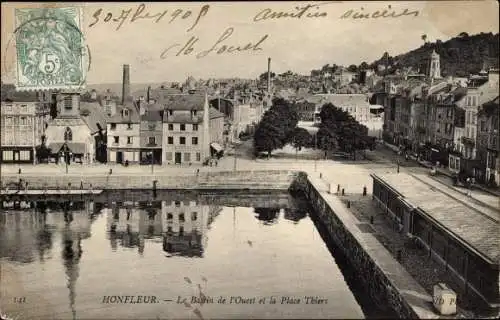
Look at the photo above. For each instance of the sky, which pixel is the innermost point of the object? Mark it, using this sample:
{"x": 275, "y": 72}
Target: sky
{"x": 297, "y": 44}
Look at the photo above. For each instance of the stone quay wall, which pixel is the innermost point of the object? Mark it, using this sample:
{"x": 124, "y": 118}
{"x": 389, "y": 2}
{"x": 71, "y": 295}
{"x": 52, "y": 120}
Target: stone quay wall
{"x": 388, "y": 283}
{"x": 221, "y": 180}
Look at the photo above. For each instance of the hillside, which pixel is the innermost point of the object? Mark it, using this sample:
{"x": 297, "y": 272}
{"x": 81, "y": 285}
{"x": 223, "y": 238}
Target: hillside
{"x": 460, "y": 56}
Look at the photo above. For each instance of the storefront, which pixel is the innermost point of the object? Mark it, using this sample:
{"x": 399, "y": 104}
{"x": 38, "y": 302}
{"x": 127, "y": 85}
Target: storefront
{"x": 17, "y": 155}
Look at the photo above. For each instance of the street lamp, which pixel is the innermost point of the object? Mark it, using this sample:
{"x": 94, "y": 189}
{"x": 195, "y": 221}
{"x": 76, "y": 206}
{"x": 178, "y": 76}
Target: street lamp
{"x": 66, "y": 155}
{"x": 152, "y": 161}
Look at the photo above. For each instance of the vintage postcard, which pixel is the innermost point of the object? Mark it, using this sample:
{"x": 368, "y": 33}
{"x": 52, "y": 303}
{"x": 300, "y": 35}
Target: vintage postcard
{"x": 249, "y": 160}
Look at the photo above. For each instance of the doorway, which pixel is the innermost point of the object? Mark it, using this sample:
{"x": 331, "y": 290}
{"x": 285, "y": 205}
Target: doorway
{"x": 119, "y": 157}
{"x": 177, "y": 158}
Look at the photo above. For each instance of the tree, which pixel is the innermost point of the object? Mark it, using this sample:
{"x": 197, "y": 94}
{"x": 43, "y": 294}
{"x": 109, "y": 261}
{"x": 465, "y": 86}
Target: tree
{"x": 363, "y": 66}
{"x": 41, "y": 151}
{"x": 301, "y": 138}
{"x": 424, "y": 38}
{"x": 276, "y": 127}
{"x": 352, "y": 68}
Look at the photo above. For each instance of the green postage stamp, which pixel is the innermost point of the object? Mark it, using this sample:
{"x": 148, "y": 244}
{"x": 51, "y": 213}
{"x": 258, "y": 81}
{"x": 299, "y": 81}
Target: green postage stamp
{"x": 50, "y": 49}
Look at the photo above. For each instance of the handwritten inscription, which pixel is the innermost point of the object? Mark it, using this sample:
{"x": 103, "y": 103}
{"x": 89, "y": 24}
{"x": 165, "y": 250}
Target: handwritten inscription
{"x": 141, "y": 13}
{"x": 220, "y": 46}
{"x": 306, "y": 11}
{"x": 386, "y": 13}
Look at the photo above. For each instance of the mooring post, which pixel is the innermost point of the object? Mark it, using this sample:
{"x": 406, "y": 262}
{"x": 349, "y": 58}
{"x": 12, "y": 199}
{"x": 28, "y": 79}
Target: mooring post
{"x": 348, "y": 203}
{"x": 320, "y": 175}
{"x": 343, "y": 191}
{"x": 371, "y": 219}
{"x": 364, "y": 191}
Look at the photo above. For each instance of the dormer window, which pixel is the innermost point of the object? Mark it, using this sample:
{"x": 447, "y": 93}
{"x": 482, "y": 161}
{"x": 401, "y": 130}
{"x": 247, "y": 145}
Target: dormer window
{"x": 170, "y": 112}
{"x": 125, "y": 112}
{"x": 194, "y": 112}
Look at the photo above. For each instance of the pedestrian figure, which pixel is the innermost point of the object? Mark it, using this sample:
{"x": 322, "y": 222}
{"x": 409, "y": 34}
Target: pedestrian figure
{"x": 197, "y": 172}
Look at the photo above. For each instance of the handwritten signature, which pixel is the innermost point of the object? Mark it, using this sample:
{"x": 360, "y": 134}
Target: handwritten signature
{"x": 156, "y": 17}
{"x": 219, "y": 47}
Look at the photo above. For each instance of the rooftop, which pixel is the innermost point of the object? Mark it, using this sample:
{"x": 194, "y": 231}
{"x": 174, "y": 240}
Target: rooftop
{"x": 93, "y": 115}
{"x": 132, "y": 117}
{"x": 469, "y": 224}
{"x": 183, "y": 102}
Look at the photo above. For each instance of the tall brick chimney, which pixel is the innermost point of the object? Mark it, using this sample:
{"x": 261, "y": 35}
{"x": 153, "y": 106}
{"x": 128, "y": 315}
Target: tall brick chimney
{"x": 126, "y": 83}
{"x": 268, "y": 75}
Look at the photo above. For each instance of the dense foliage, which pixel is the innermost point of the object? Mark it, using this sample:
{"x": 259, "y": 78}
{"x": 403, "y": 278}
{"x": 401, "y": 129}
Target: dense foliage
{"x": 340, "y": 131}
{"x": 276, "y": 127}
{"x": 459, "y": 56}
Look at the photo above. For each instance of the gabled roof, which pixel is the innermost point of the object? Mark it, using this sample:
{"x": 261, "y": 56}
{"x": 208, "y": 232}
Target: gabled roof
{"x": 96, "y": 115}
{"x": 133, "y": 114}
{"x": 152, "y": 115}
{"x": 214, "y": 113}
{"x": 184, "y": 102}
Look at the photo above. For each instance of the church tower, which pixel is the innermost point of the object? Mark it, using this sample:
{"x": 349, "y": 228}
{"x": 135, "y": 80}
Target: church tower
{"x": 434, "y": 67}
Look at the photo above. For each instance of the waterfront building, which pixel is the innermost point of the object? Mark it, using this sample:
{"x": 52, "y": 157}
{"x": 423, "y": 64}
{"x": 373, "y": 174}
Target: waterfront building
{"x": 21, "y": 129}
{"x": 123, "y": 135}
{"x": 151, "y": 132}
{"x": 192, "y": 130}
{"x": 68, "y": 136}
{"x": 465, "y": 242}
{"x": 489, "y": 140}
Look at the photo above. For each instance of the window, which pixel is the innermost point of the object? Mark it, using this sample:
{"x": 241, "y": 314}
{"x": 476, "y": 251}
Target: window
{"x": 182, "y": 140}
{"x": 170, "y": 140}
{"x": 169, "y": 229}
{"x": 177, "y": 203}
{"x": 152, "y": 140}
{"x": 151, "y": 126}
{"x": 125, "y": 112}
{"x": 198, "y": 156}
{"x": 194, "y": 140}
{"x": 170, "y": 127}
{"x": 194, "y": 112}
{"x": 113, "y": 126}
{"x": 22, "y": 121}
{"x": 68, "y": 103}
{"x": 170, "y": 216}
{"x": 24, "y": 155}
{"x": 68, "y": 135}
{"x": 194, "y": 216}
{"x": 483, "y": 125}
{"x": 183, "y": 127}
{"x": 129, "y": 126}
{"x": 170, "y": 112}
{"x": 9, "y": 121}
{"x": 7, "y": 155}
{"x": 181, "y": 217}
{"x": 116, "y": 139}
{"x": 195, "y": 127}
{"x": 187, "y": 156}
{"x": 168, "y": 156}
{"x": 129, "y": 140}
{"x": 181, "y": 230}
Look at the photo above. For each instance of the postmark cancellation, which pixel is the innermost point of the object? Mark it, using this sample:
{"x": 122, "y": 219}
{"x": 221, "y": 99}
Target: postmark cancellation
{"x": 50, "y": 49}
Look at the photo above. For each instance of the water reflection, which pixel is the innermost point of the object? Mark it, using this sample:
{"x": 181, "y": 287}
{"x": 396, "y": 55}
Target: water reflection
{"x": 52, "y": 240}
{"x": 268, "y": 216}
{"x": 181, "y": 225}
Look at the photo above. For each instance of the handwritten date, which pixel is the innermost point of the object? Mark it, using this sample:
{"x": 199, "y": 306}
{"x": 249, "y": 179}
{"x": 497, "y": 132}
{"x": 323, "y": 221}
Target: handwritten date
{"x": 140, "y": 14}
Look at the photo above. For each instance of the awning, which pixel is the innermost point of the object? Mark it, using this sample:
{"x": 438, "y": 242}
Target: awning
{"x": 217, "y": 147}
{"x": 55, "y": 147}
{"x": 76, "y": 147}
